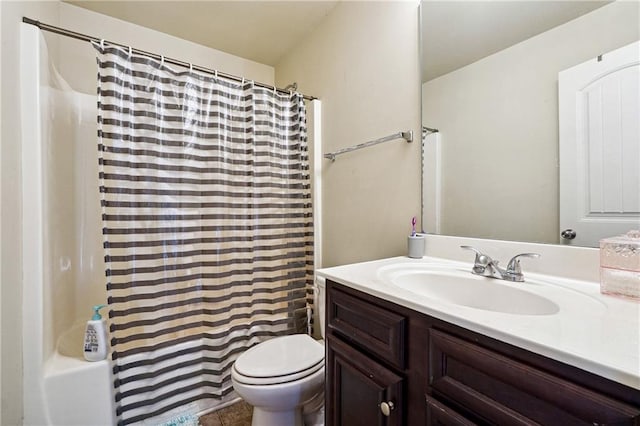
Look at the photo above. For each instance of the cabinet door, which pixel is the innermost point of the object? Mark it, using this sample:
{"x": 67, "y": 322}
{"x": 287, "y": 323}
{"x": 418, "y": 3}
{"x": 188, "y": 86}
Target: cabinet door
{"x": 360, "y": 392}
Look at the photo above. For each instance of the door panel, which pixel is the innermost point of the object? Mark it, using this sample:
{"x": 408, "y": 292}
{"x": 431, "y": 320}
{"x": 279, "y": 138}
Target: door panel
{"x": 599, "y": 106}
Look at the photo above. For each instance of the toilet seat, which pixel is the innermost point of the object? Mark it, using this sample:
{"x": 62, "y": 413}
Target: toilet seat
{"x": 265, "y": 381}
{"x": 279, "y": 360}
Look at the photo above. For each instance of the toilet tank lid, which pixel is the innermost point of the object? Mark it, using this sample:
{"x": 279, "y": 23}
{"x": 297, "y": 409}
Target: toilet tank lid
{"x": 280, "y": 356}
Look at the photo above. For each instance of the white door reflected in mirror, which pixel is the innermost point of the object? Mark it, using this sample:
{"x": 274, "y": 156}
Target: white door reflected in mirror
{"x": 599, "y": 110}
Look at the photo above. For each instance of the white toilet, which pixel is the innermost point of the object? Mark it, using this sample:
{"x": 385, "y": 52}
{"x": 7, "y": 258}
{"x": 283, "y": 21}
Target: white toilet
{"x": 278, "y": 377}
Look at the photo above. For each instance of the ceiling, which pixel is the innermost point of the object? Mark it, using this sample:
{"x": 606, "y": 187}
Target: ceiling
{"x": 455, "y": 33}
{"x": 262, "y": 31}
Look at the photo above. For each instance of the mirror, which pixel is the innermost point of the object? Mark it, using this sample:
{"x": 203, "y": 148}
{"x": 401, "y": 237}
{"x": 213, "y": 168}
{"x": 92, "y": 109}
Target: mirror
{"x": 490, "y": 88}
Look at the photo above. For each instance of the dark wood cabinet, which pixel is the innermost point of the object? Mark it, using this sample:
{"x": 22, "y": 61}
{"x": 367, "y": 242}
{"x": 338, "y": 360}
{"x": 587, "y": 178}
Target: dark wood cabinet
{"x": 365, "y": 361}
{"x": 436, "y": 373}
{"x": 496, "y": 389}
{"x": 359, "y": 388}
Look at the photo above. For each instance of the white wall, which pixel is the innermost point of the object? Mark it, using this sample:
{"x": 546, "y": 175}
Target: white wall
{"x": 362, "y": 62}
{"x": 500, "y": 153}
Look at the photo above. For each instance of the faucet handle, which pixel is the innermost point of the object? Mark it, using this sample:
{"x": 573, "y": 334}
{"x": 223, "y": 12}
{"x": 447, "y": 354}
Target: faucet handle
{"x": 481, "y": 261}
{"x": 513, "y": 267}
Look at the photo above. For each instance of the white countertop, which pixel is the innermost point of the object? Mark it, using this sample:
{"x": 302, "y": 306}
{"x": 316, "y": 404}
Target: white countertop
{"x": 601, "y": 336}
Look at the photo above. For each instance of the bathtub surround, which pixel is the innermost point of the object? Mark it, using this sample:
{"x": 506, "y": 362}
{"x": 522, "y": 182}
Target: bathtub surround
{"x": 57, "y": 217}
{"x": 208, "y": 229}
{"x": 11, "y": 291}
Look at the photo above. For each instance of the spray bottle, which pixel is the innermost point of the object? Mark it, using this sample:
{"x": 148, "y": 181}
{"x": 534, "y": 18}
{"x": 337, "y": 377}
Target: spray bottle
{"x": 95, "y": 337}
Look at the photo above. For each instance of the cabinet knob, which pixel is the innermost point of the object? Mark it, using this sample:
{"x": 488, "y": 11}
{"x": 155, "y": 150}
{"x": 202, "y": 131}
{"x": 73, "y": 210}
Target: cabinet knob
{"x": 387, "y": 408}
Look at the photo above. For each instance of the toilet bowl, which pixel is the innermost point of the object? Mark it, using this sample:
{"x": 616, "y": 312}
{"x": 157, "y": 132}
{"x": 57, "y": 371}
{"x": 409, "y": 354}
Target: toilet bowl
{"x": 278, "y": 377}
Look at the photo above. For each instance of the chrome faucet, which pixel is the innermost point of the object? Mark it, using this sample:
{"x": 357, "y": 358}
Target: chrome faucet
{"x": 487, "y": 267}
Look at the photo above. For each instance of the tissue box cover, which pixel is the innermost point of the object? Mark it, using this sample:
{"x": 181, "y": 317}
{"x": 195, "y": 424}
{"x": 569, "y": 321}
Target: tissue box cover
{"x": 620, "y": 265}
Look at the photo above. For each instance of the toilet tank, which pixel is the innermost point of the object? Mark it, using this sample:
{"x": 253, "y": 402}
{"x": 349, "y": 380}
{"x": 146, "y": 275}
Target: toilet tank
{"x": 319, "y": 302}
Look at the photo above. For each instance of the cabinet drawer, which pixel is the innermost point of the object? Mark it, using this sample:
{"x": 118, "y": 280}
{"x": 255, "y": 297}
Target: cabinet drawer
{"x": 500, "y": 390}
{"x": 439, "y": 414}
{"x": 375, "y": 329}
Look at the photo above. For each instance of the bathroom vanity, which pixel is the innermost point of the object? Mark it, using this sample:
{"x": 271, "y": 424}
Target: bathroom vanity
{"x": 398, "y": 358}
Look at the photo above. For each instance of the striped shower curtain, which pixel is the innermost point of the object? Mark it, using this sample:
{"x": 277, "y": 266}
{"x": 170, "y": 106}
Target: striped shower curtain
{"x": 207, "y": 226}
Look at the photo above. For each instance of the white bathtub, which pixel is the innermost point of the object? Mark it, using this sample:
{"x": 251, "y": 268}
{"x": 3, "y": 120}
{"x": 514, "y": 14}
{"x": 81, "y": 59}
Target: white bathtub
{"x": 77, "y": 392}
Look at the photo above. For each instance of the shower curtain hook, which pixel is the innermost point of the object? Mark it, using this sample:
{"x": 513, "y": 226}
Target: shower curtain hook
{"x": 161, "y": 60}
{"x": 102, "y": 43}
{"x": 190, "y": 67}
{"x": 130, "y": 51}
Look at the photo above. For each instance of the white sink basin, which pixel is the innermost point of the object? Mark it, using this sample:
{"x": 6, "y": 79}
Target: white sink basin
{"x": 460, "y": 287}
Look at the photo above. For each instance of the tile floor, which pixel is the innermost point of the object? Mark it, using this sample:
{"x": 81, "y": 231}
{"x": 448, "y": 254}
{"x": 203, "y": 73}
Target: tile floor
{"x": 238, "y": 414}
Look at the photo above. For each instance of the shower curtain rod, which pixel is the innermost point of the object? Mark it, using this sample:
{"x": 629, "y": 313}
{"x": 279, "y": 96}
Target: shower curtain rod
{"x": 85, "y": 37}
